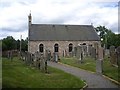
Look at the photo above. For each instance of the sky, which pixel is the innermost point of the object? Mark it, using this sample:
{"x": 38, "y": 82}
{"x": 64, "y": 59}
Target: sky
{"x": 14, "y": 14}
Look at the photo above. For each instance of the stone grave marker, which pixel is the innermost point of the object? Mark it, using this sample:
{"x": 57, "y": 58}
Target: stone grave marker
{"x": 113, "y": 55}
{"x": 63, "y": 54}
{"x": 79, "y": 53}
{"x": 75, "y": 51}
{"x": 99, "y": 61}
{"x": 56, "y": 57}
{"x": 118, "y": 55}
{"x": 42, "y": 63}
{"x": 10, "y": 55}
{"x": 93, "y": 52}
{"x": 84, "y": 49}
{"x": 96, "y": 46}
{"x": 89, "y": 50}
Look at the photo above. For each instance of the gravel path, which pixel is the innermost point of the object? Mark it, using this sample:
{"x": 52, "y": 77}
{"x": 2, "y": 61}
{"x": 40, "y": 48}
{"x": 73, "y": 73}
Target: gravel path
{"x": 93, "y": 80}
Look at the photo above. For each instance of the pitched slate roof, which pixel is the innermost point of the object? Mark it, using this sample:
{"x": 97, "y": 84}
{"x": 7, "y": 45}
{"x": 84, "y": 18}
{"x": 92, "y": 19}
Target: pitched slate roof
{"x": 62, "y": 32}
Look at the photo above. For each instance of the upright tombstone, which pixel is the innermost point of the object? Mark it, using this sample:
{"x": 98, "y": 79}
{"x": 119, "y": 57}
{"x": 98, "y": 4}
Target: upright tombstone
{"x": 118, "y": 55}
{"x": 42, "y": 62}
{"x": 63, "y": 54}
{"x": 66, "y": 53}
{"x": 10, "y": 55}
{"x": 84, "y": 49}
{"x": 113, "y": 55}
{"x": 75, "y": 51}
{"x": 96, "y": 46}
{"x": 32, "y": 59}
{"x": 99, "y": 61}
{"x": 89, "y": 50}
{"x": 55, "y": 57}
{"x": 93, "y": 52}
{"x": 29, "y": 58}
{"x": 70, "y": 54}
{"x": 36, "y": 59}
{"x": 79, "y": 53}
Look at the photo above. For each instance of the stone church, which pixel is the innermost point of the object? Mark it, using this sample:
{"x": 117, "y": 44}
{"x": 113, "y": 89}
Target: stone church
{"x": 59, "y": 38}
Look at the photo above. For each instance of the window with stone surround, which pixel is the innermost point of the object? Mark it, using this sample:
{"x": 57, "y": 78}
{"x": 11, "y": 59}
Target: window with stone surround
{"x": 41, "y": 48}
{"x": 70, "y": 47}
{"x": 56, "y": 47}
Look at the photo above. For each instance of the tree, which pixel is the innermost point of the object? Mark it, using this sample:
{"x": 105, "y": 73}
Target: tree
{"x": 108, "y": 38}
{"x": 8, "y": 43}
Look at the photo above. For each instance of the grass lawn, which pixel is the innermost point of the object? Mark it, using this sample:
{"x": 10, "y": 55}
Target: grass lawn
{"x": 90, "y": 65}
{"x": 17, "y": 74}
{"x": 110, "y": 71}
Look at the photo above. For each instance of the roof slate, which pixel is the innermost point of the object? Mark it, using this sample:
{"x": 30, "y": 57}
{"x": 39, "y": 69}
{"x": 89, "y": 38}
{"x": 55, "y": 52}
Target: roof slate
{"x": 62, "y": 32}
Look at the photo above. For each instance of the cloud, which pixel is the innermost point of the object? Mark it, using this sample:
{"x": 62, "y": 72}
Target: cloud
{"x": 14, "y": 14}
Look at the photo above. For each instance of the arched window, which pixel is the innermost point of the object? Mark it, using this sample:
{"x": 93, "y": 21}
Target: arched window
{"x": 70, "y": 47}
{"x": 56, "y": 48}
{"x": 41, "y": 48}
{"x": 84, "y": 43}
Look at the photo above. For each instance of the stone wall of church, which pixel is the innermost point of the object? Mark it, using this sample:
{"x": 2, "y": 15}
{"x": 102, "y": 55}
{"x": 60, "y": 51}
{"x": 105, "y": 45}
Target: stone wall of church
{"x": 33, "y": 46}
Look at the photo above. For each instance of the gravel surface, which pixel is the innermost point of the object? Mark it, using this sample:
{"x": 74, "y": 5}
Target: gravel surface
{"x": 93, "y": 80}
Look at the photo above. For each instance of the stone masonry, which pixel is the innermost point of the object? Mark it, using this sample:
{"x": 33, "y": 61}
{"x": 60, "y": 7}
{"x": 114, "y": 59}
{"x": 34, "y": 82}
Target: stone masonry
{"x": 33, "y": 46}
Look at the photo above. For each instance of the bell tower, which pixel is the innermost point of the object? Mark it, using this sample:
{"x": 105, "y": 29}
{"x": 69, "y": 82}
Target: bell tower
{"x": 29, "y": 25}
{"x": 30, "y": 19}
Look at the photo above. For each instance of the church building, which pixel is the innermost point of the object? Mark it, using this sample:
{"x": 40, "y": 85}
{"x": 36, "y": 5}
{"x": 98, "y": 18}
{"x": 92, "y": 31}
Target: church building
{"x": 59, "y": 38}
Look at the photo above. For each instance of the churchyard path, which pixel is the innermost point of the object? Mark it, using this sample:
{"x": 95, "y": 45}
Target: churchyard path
{"x": 93, "y": 80}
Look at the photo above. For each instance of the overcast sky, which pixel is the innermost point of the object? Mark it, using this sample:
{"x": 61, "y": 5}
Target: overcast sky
{"x": 14, "y": 14}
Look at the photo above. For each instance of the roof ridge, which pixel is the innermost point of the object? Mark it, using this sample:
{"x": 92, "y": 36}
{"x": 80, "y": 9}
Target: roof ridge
{"x": 63, "y": 24}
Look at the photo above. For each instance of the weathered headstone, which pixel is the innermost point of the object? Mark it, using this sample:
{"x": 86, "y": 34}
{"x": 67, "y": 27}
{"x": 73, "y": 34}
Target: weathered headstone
{"x": 96, "y": 46}
{"x": 75, "y": 51}
{"x": 42, "y": 63}
{"x": 36, "y": 59}
{"x": 113, "y": 55}
{"x": 63, "y": 54}
{"x": 84, "y": 49}
{"x": 56, "y": 57}
{"x": 99, "y": 61}
{"x": 79, "y": 53}
{"x": 89, "y": 50}
{"x": 118, "y": 55}
{"x": 70, "y": 54}
{"x": 10, "y": 55}
{"x": 66, "y": 53}
{"x": 93, "y": 53}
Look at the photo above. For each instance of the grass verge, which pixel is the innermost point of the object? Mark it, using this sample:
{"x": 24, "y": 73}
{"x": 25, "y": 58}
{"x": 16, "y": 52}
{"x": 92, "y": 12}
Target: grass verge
{"x": 90, "y": 65}
{"x": 17, "y": 75}
{"x": 109, "y": 70}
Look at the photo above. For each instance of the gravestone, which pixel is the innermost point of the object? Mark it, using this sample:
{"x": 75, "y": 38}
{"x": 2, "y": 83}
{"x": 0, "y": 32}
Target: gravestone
{"x": 10, "y": 55}
{"x": 56, "y": 57}
{"x": 96, "y": 46}
{"x": 32, "y": 59}
{"x": 29, "y": 61}
{"x": 36, "y": 59}
{"x": 79, "y": 53}
{"x": 49, "y": 56}
{"x": 42, "y": 63}
{"x": 113, "y": 55}
{"x": 75, "y": 51}
{"x": 99, "y": 61}
{"x": 89, "y": 50}
{"x": 118, "y": 55}
{"x": 63, "y": 54}
{"x": 46, "y": 66}
{"x": 84, "y": 49}
{"x": 93, "y": 53}
{"x": 66, "y": 53}
{"x": 70, "y": 54}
